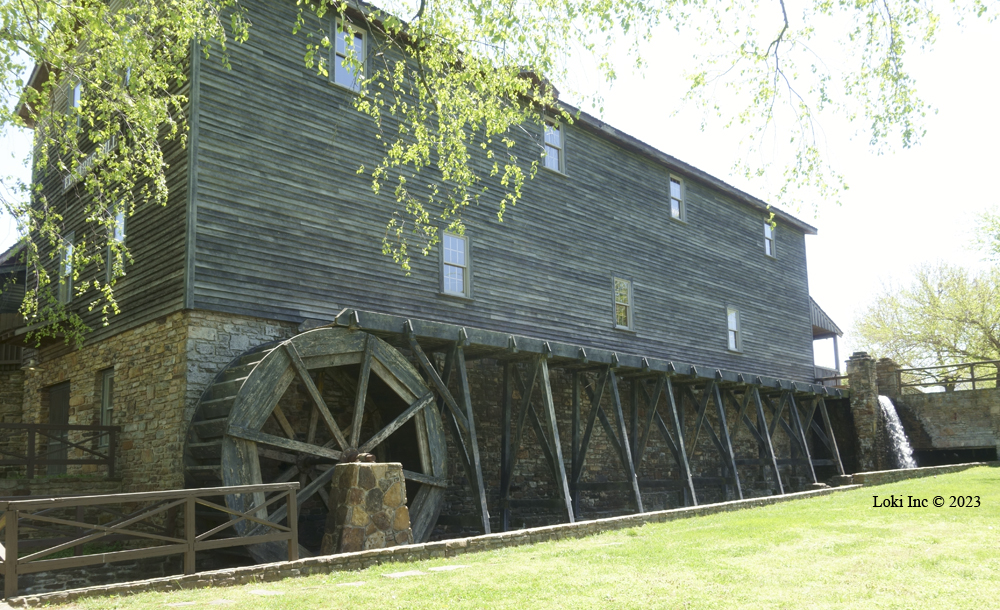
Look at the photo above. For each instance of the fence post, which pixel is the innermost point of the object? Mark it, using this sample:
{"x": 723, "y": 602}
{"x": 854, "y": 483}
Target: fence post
{"x": 293, "y": 525}
{"x": 189, "y": 535}
{"x": 31, "y": 453}
{"x": 972, "y": 374}
{"x": 112, "y": 449}
{"x": 10, "y": 554}
{"x": 78, "y": 549}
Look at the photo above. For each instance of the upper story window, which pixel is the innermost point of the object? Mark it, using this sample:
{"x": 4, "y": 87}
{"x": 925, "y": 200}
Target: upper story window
{"x": 676, "y": 198}
{"x": 455, "y": 265}
{"x": 66, "y": 270}
{"x": 735, "y": 334}
{"x": 768, "y": 238}
{"x": 344, "y": 73}
{"x": 623, "y": 304}
{"x": 553, "y": 154}
{"x": 74, "y": 101}
{"x": 119, "y": 238}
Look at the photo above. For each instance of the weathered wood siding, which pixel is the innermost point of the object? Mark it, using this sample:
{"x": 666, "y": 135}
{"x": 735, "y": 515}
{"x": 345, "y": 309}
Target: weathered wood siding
{"x": 286, "y": 229}
{"x": 154, "y": 285}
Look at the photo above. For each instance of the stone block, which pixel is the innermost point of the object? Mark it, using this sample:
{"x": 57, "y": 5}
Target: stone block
{"x": 360, "y": 518}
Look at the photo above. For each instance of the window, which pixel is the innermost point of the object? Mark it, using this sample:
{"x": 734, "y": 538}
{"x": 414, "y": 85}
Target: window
{"x": 553, "y": 155}
{"x": 119, "y": 238}
{"x": 73, "y": 101}
{"x": 455, "y": 265}
{"x": 676, "y": 198}
{"x": 107, "y": 401}
{"x": 66, "y": 270}
{"x": 341, "y": 73}
{"x": 733, "y": 321}
{"x": 623, "y": 303}
{"x": 768, "y": 238}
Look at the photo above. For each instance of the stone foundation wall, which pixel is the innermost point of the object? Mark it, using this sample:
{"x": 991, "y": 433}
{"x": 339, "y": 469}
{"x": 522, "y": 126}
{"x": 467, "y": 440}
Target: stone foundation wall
{"x": 149, "y": 369}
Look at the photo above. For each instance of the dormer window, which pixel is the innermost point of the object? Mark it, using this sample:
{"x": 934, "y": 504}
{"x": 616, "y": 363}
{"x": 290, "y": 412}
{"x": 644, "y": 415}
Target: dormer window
{"x": 343, "y": 72}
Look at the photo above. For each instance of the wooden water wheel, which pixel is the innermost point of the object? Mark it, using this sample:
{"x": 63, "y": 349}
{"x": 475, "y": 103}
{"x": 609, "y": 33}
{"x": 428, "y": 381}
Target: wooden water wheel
{"x": 287, "y": 411}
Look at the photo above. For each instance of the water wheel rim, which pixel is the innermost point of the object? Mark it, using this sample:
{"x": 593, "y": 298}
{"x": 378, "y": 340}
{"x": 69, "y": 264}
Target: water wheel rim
{"x": 258, "y": 398}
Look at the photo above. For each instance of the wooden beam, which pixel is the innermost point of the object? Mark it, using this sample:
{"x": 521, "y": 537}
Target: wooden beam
{"x": 550, "y": 411}
{"x": 626, "y": 450}
{"x": 729, "y": 455}
{"x": 317, "y": 397}
{"x": 595, "y": 405}
{"x": 575, "y": 465}
{"x": 833, "y": 440}
{"x": 802, "y": 435}
{"x": 439, "y": 384}
{"x": 690, "y": 499}
{"x": 362, "y": 391}
{"x": 766, "y": 435}
{"x": 505, "y": 459}
{"x": 479, "y": 487}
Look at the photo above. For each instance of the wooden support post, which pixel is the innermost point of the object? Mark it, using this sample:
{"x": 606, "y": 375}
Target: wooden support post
{"x": 829, "y": 432}
{"x": 595, "y": 404}
{"x": 550, "y": 411}
{"x": 633, "y": 441}
{"x": 293, "y": 525}
{"x": 626, "y": 450}
{"x": 11, "y": 551}
{"x": 190, "y": 533}
{"x": 797, "y": 422}
{"x": 767, "y": 434}
{"x": 505, "y": 458}
{"x": 690, "y": 499}
{"x": 479, "y": 487}
{"x": 727, "y": 444}
{"x": 574, "y": 484}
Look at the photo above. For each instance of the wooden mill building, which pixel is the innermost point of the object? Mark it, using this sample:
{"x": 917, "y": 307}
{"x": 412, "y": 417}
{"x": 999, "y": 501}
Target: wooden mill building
{"x": 635, "y": 335}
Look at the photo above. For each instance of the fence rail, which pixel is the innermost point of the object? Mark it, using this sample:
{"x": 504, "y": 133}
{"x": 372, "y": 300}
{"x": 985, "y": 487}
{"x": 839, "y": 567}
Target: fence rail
{"x": 965, "y": 376}
{"x": 55, "y": 446}
{"x": 151, "y": 527}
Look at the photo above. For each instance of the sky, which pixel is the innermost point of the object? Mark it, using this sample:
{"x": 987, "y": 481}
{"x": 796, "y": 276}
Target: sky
{"x": 903, "y": 209}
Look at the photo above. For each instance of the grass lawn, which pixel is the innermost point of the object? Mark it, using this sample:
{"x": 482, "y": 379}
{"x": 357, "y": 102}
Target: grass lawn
{"x": 833, "y": 551}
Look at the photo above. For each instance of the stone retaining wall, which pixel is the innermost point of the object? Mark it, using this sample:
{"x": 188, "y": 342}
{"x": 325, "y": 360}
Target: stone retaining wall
{"x": 415, "y": 552}
{"x": 881, "y": 477}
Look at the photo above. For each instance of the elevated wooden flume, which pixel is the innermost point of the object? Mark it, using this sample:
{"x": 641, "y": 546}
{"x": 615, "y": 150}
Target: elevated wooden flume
{"x": 288, "y": 410}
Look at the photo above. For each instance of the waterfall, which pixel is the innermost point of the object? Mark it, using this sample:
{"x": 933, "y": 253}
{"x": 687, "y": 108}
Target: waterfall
{"x": 901, "y": 449}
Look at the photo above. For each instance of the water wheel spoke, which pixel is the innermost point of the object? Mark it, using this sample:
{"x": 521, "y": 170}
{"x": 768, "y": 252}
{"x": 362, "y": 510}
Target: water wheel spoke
{"x": 315, "y": 394}
{"x": 425, "y": 479}
{"x": 279, "y": 456}
{"x": 283, "y": 422}
{"x": 362, "y": 391}
{"x": 313, "y": 423}
{"x": 395, "y": 424}
{"x": 276, "y": 441}
{"x": 304, "y": 494}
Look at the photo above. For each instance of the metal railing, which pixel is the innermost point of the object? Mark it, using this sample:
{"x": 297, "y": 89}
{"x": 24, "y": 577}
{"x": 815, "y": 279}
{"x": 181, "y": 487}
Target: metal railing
{"x": 55, "y": 446}
{"x": 74, "y": 522}
{"x": 965, "y": 376}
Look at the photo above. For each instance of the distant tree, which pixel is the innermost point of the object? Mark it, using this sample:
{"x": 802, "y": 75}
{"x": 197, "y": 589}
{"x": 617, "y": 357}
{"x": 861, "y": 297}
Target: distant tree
{"x": 988, "y": 234}
{"x": 947, "y": 315}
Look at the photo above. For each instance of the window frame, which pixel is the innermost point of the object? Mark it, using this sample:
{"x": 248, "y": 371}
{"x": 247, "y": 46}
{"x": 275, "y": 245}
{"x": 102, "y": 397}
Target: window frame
{"x": 629, "y": 305}
{"x": 769, "y": 239}
{"x": 550, "y": 123}
{"x": 682, "y": 202}
{"x": 107, "y": 406}
{"x": 74, "y": 100}
{"x": 65, "y": 274}
{"x": 335, "y": 57}
{"x": 121, "y": 221}
{"x": 466, "y": 268}
{"x": 736, "y": 334}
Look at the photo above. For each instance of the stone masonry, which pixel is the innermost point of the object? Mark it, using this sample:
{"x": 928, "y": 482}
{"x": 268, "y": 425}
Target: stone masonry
{"x": 865, "y": 409}
{"x": 368, "y": 508}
